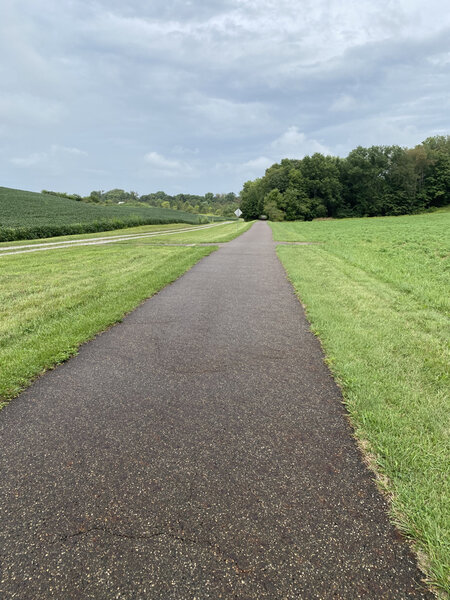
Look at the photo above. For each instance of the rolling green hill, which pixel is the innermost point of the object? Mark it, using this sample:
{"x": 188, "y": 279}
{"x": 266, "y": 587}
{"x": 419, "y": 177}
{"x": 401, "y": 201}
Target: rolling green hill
{"x": 29, "y": 215}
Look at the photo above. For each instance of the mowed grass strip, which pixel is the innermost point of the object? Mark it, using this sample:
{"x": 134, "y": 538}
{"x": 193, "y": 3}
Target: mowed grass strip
{"x": 376, "y": 293}
{"x": 217, "y": 234}
{"x": 410, "y": 253}
{"x": 100, "y": 234}
{"x": 50, "y": 303}
{"x": 213, "y": 233}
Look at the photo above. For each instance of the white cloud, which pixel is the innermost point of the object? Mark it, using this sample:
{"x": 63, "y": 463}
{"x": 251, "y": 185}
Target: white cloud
{"x": 291, "y": 144}
{"x": 31, "y": 160}
{"x": 261, "y": 163}
{"x": 167, "y": 166}
{"x": 160, "y": 162}
{"x": 442, "y": 59}
{"x": 343, "y": 103}
{"x": 249, "y": 169}
{"x": 21, "y": 108}
{"x": 179, "y": 149}
{"x": 295, "y": 144}
{"x": 56, "y": 154}
{"x": 56, "y": 149}
{"x": 227, "y": 116}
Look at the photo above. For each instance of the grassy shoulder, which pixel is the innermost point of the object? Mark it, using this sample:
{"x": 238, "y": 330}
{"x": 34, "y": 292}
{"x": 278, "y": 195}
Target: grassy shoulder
{"x": 376, "y": 294}
{"x": 49, "y": 307}
{"x": 217, "y": 234}
{"x": 100, "y": 234}
{"x": 410, "y": 253}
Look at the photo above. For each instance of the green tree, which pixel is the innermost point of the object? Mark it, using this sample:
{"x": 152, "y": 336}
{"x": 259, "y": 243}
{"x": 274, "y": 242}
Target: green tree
{"x": 277, "y": 176}
{"x": 252, "y": 199}
{"x": 272, "y": 202}
{"x": 322, "y": 182}
{"x": 436, "y": 185}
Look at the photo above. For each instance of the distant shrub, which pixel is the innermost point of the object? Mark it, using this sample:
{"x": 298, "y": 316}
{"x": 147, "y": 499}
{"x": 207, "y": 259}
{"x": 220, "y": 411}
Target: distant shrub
{"x": 61, "y": 195}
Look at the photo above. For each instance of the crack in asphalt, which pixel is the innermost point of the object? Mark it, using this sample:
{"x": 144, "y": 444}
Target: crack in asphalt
{"x": 157, "y": 534}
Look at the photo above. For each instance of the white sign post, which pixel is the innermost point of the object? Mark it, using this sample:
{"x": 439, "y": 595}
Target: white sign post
{"x": 238, "y": 213}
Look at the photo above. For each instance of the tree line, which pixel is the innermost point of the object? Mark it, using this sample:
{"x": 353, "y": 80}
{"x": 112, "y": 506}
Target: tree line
{"x": 222, "y": 205}
{"x": 375, "y": 181}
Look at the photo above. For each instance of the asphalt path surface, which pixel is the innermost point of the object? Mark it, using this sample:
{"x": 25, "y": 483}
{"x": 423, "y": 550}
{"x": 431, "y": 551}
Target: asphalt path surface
{"x": 198, "y": 450}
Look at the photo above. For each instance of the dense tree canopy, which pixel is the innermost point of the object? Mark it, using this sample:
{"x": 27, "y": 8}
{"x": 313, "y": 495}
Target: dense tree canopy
{"x": 375, "y": 181}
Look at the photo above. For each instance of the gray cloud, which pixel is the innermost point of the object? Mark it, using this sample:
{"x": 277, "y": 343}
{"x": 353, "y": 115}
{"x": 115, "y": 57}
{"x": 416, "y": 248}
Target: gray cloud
{"x": 194, "y": 96}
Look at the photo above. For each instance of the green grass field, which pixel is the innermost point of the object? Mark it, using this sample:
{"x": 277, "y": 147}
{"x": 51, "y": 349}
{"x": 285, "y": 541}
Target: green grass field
{"x": 217, "y": 234}
{"x": 88, "y": 236}
{"x": 170, "y": 234}
{"x": 377, "y": 292}
{"x": 28, "y": 215}
{"x": 50, "y": 303}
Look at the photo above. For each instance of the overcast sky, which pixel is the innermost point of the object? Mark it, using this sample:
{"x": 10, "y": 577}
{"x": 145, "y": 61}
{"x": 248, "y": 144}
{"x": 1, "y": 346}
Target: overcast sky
{"x": 202, "y": 95}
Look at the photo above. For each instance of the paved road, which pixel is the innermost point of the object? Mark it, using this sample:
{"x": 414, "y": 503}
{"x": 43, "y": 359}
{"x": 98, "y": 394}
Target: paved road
{"x": 198, "y": 450}
{"x": 95, "y": 241}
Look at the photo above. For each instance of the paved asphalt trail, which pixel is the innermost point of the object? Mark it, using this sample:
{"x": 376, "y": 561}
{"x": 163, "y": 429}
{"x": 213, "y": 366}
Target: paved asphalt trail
{"x": 198, "y": 450}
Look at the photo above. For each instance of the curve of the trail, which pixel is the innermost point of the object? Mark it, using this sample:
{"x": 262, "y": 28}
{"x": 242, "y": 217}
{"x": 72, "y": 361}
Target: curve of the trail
{"x": 111, "y": 239}
{"x": 199, "y": 449}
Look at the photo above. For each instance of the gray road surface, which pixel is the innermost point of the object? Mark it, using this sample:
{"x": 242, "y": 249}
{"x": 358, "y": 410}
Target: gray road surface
{"x": 198, "y": 450}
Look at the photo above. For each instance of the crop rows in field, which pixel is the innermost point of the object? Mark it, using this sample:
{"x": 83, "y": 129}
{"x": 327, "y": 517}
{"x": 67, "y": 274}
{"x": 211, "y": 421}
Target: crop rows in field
{"x": 28, "y": 215}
